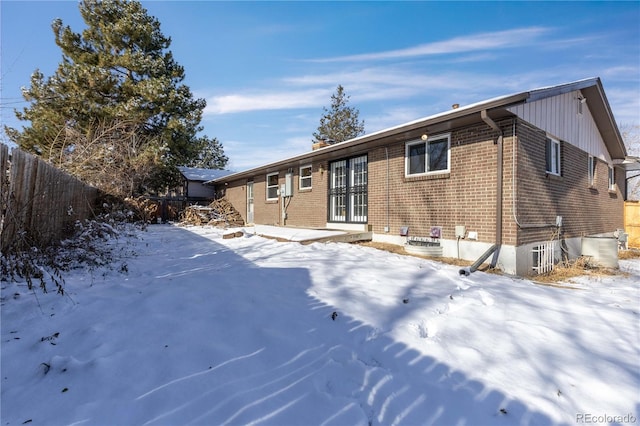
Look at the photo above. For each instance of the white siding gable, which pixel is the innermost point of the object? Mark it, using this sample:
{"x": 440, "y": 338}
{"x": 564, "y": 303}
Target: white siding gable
{"x": 198, "y": 189}
{"x": 559, "y": 116}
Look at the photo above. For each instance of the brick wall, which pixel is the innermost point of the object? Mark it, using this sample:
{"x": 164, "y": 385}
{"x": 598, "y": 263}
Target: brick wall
{"x": 541, "y": 197}
{"x": 307, "y": 207}
{"x": 465, "y": 196}
{"x": 236, "y": 193}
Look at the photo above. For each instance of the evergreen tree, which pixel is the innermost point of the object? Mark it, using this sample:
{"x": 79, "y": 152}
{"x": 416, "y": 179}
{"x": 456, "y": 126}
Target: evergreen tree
{"x": 117, "y": 72}
{"x": 210, "y": 155}
{"x": 341, "y": 122}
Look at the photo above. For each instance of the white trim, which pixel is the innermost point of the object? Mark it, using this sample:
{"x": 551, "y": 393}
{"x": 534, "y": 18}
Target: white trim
{"x": 426, "y": 142}
{"x": 267, "y": 186}
{"x": 304, "y": 178}
{"x": 555, "y": 160}
{"x": 345, "y": 226}
{"x": 591, "y": 172}
{"x": 612, "y": 179}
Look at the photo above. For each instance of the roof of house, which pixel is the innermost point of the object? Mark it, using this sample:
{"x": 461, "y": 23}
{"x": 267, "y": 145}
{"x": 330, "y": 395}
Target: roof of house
{"x": 496, "y": 108}
{"x": 198, "y": 174}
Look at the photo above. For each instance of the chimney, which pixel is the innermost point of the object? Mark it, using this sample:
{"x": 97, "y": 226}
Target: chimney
{"x": 320, "y": 143}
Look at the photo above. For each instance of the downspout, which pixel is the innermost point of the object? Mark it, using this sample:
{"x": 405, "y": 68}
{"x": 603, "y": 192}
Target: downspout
{"x": 495, "y": 248}
{"x": 386, "y": 151}
{"x": 499, "y": 171}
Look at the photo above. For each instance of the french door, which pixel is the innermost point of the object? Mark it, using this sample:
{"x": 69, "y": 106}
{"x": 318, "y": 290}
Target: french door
{"x": 348, "y": 190}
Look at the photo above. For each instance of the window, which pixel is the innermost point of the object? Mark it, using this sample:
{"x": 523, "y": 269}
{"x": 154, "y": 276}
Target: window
{"x": 272, "y": 186}
{"x": 612, "y": 179}
{"x": 430, "y": 156}
{"x": 552, "y": 153}
{"x": 348, "y": 198}
{"x": 592, "y": 170}
{"x": 358, "y": 189}
{"x": 305, "y": 177}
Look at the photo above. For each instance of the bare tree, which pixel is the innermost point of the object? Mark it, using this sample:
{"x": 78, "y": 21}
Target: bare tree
{"x": 631, "y": 137}
{"x": 114, "y": 156}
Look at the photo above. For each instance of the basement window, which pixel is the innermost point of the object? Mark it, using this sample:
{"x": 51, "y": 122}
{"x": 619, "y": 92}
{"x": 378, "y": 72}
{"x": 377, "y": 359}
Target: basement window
{"x": 543, "y": 257}
{"x": 305, "y": 177}
{"x": 552, "y": 156}
{"x": 272, "y": 186}
{"x": 427, "y": 156}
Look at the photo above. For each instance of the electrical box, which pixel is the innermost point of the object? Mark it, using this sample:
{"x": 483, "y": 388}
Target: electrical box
{"x": 288, "y": 185}
{"x": 473, "y": 235}
{"x": 435, "y": 232}
{"x": 461, "y": 230}
{"x": 558, "y": 221}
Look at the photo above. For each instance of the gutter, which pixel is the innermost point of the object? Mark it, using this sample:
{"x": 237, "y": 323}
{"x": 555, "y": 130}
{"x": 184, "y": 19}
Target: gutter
{"x": 400, "y": 130}
{"x": 495, "y": 248}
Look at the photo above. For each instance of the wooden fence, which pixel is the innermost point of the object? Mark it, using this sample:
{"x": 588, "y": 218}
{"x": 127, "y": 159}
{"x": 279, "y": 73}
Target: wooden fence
{"x": 632, "y": 223}
{"x": 39, "y": 204}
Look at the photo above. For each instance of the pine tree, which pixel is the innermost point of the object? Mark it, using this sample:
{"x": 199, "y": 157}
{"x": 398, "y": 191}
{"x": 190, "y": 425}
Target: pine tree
{"x": 341, "y": 122}
{"x": 210, "y": 155}
{"x": 117, "y": 72}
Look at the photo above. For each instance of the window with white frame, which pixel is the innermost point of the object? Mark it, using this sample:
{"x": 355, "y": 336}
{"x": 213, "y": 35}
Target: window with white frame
{"x": 612, "y": 179}
{"x": 305, "y": 177}
{"x": 552, "y": 156}
{"x": 272, "y": 186}
{"x": 592, "y": 170}
{"x": 428, "y": 156}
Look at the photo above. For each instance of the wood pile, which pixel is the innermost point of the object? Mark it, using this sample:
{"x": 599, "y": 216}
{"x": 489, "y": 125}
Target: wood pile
{"x": 144, "y": 208}
{"x": 218, "y": 213}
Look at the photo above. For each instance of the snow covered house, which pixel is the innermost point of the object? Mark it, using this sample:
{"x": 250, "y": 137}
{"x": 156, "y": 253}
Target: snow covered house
{"x": 522, "y": 178}
{"x": 193, "y": 187}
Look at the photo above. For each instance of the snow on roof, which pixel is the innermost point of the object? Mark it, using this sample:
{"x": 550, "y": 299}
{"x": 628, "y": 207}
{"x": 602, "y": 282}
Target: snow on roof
{"x": 496, "y": 102}
{"x": 202, "y": 175}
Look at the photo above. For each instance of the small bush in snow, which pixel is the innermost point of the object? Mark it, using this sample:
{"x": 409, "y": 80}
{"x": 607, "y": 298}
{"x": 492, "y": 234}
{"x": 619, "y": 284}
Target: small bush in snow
{"x": 94, "y": 244}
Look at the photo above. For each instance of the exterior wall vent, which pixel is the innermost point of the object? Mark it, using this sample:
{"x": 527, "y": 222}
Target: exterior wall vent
{"x": 543, "y": 257}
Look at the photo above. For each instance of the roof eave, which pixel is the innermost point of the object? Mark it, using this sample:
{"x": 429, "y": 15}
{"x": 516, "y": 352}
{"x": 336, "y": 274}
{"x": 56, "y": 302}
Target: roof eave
{"x": 591, "y": 88}
{"x": 422, "y": 123}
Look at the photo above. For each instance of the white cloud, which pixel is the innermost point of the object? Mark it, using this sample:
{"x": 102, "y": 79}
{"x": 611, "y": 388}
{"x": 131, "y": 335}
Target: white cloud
{"x": 245, "y": 155}
{"x": 625, "y": 105}
{"x": 470, "y": 43}
{"x": 284, "y": 99}
{"x": 393, "y": 117}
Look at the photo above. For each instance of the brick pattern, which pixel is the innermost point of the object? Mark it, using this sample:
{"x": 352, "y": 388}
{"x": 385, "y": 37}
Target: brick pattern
{"x": 541, "y": 197}
{"x": 307, "y": 207}
{"x": 467, "y": 194}
{"x": 464, "y": 196}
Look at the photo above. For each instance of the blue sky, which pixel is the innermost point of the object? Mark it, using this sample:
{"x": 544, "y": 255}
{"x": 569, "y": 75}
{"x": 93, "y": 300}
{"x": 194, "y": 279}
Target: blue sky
{"x": 267, "y": 69}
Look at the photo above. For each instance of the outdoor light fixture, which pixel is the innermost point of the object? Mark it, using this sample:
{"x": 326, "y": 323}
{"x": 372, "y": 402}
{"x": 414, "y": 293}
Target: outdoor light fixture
{"x": 424, "y": 137}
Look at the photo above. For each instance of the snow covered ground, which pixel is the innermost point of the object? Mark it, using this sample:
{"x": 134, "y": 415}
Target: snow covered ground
{"x": 211, "y": 331}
